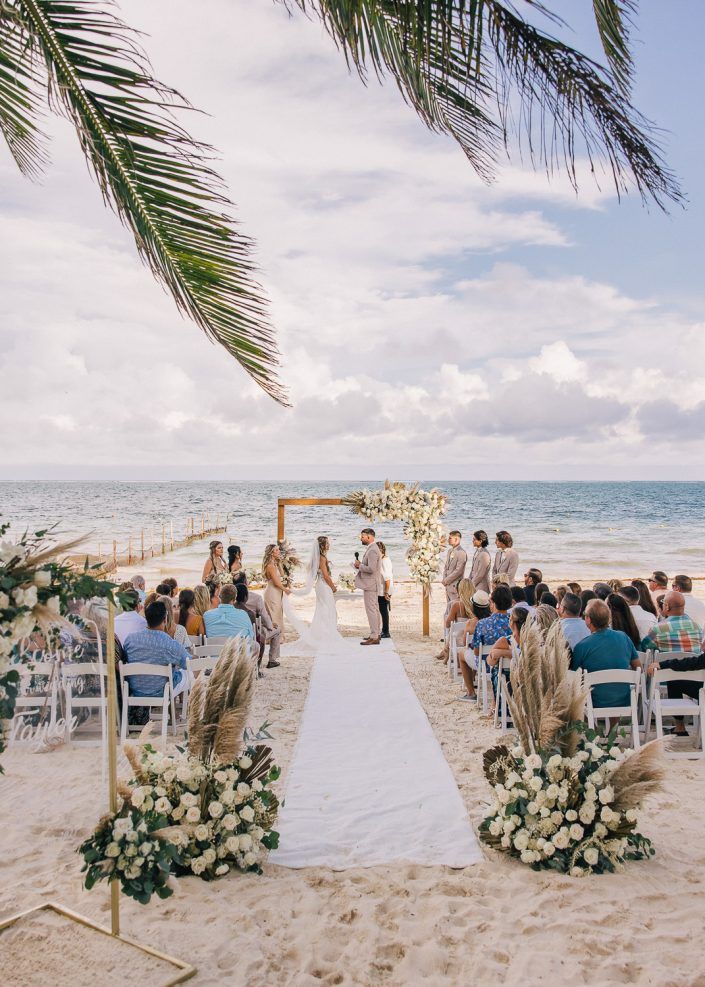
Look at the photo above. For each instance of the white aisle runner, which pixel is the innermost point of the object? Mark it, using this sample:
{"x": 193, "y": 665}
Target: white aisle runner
{"x": 369, "y": 783}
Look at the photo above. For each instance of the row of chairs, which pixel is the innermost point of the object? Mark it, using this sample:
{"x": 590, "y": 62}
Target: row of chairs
{"x": 648, "y": 695}
{"x": 43, "y": 683}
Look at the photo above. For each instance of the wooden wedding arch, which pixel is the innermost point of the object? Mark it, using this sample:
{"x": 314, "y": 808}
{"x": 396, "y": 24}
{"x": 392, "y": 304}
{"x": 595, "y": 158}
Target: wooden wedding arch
{"x": 284, "y": 502}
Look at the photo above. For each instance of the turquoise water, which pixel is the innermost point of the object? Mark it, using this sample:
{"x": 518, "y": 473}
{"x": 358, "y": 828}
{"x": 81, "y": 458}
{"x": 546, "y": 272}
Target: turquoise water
{"x": 568, "y": 529}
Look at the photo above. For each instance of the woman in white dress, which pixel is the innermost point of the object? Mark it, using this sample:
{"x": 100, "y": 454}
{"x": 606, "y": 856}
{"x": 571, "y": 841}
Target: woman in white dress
{"x": 322, "y": 634}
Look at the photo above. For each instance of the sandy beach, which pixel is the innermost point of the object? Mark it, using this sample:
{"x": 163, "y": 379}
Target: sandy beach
{"x": 494, "y": 922}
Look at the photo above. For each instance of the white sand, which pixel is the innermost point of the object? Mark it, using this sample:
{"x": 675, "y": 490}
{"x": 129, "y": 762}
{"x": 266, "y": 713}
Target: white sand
{"x": 497, "y": 922}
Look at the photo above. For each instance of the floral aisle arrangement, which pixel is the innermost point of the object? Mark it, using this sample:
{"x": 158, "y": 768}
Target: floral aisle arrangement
{"x": 37, "y": 587}
{"x": 205, "y": 810}
{"x": 565, "y": 798}
{"x": 290, "y": 562}
{"x": 420, "y": 510}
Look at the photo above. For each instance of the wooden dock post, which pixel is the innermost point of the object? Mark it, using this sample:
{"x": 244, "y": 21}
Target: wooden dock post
{"x": 142, "y": 544}
{"x": 114, "y": 552}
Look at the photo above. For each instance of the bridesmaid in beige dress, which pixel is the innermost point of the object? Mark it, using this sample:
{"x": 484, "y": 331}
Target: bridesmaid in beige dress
{"x": 275, "y": 589}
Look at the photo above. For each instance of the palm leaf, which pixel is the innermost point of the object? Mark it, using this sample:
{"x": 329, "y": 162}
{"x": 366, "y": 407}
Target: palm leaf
{"x": 478, "y": 71}
{"x": 613, "y": 19}
{"x": 20, "y": 98}
{"x": 151, "y": 172}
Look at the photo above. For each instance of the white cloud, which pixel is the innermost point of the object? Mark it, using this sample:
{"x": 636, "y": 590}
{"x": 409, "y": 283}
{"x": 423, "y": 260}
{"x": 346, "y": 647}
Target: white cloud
{"x": 408, "y": 334}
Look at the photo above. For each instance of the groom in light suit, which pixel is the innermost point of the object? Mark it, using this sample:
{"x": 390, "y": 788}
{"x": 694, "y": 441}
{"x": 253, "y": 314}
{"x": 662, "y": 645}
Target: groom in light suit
{"x": 369, "y": 579}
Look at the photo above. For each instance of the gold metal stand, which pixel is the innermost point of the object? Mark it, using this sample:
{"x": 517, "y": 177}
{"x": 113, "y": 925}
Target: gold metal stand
{"x": 185, "y": 970}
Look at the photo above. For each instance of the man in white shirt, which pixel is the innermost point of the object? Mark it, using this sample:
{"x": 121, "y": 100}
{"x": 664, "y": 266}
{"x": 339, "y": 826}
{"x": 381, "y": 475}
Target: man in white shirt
{"x": 131, "y": 619}
{"x": 643, "y": 619}
{"x": 694, "y": 608}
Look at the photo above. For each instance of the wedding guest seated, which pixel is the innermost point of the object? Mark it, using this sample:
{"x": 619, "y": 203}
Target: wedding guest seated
{"x": 676, "y": 632}
{"x": 503, "y": 647}
{"x": 519, "y": 597}
{"x": 615, "y": 585}
{"x": 173, "y": 586}
{"x": 658, "y": 584}
{"x": 575, "y": 588}
{"x": 173, "y": 628}
{"x": 622, "y": 619}
{"x": 585, "y": 596}
{"x": 213, "y": 594}
{"x": 548, "y": 600}
{"x": 644, "y": 619}
{"x": 501, "y": 579}
{"x": 272, "y": 634}
{"x": 187, "y": 616}
{"x": 694, "y": 607}
{"x": 460, "y": 609}
{"x": 645, "y": 599}
{"x": 602, "y": 590}
{"x": 573, "y": 626}
{"x": 164, "y": 589}
{"x": 139, "y": 584}
{"x": 532, "y": 578}
{"x": 560, "y": 592}
{"x": 201, "y": 601}
{"x": 492, "y": 628}
{"x": 539, "y": 590}
{"x": 225, "y": 620}
{"x": 131, "y": 619}
{"x": 679, "y": 688}
{"x": 603, "y": 650}
{"x": 242, "y": 603}
{"x": 480, "y": 607}
{"x": 156, "y": 647}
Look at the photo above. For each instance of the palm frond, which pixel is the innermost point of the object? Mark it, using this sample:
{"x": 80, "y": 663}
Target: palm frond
{"x": 466, "y": 65}
{"x": 153, "y": 173}
{"x": 21, "y": 85}
{"x": 613, "y": 19}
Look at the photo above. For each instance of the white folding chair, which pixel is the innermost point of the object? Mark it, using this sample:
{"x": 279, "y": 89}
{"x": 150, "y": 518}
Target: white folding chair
{"x": 502, "y": 715}
{"x": 41, "y": 677}
{"x": 195, "y": 639}
{"x": 661, "y": 706}
{"x": 165, "y": 702}
{"x": 220, "y": 639}
{"x": 484, "y": 678}
{"x": 70, "y": 672}
{"x": 207, "y": 651}
{"x": 456, "y": 628}
{"x": 615, "y": 676}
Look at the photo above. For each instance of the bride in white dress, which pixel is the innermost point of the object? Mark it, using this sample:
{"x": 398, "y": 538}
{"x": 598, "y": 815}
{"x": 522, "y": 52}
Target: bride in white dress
{"x": 322, "y": 634}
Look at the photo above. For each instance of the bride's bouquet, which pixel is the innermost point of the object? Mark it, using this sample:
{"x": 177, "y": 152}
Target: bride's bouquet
{"x": 346, "y": 580}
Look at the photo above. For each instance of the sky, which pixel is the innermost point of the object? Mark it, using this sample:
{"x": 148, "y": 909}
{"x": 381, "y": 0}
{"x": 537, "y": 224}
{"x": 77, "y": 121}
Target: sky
{"x": 428, "y": 322}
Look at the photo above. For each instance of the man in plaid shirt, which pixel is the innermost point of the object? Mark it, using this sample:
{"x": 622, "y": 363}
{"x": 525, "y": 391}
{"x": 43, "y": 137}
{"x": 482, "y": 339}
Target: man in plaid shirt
{"x": 677, "y": 632}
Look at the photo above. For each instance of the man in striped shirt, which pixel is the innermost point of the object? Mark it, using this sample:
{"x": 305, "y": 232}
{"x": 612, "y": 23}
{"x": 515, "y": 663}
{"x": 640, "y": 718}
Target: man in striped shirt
{"x": 677, "y": 632}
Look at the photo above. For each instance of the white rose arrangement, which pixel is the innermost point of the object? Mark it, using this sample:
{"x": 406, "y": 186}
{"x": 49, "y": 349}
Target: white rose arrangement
{"x": 420, "y": 510}
{"x": 206, "y": 811}
{"x": 564, "y": 797}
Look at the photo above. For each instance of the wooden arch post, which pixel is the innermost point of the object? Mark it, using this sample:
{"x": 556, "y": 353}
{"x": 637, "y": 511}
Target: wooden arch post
{"x": 284, "y": 502}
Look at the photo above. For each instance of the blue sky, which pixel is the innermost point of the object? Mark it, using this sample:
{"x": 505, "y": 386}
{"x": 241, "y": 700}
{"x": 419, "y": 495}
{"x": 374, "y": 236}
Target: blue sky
{"x": 424, "y": 318}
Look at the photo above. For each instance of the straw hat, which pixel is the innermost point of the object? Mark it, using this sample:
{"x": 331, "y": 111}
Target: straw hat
{"x": 481, "y": 598}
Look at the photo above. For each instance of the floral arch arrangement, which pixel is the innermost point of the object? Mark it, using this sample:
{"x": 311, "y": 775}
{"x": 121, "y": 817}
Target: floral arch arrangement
{"x": 420, "y": 511}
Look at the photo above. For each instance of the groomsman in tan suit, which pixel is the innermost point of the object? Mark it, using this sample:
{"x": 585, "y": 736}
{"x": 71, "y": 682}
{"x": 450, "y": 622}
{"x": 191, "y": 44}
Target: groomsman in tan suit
{"x": 369, "y": 579}
{"x": 454, "y": 568}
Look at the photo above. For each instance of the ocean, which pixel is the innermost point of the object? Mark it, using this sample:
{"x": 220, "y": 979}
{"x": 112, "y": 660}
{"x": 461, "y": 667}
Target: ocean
{"x": 569, "y": 530}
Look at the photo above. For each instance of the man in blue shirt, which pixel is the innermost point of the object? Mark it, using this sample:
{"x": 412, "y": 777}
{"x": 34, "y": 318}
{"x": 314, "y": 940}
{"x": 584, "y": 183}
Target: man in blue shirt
{"x": 605, "y": 649}
{"x": 225, "y": 620}
{"x": 154, "y": 645}
{"x": 573, "y": 626}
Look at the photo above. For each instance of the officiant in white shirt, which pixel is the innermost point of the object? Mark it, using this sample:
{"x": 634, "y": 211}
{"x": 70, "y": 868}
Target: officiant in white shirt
{"x": 385, "y": 599}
